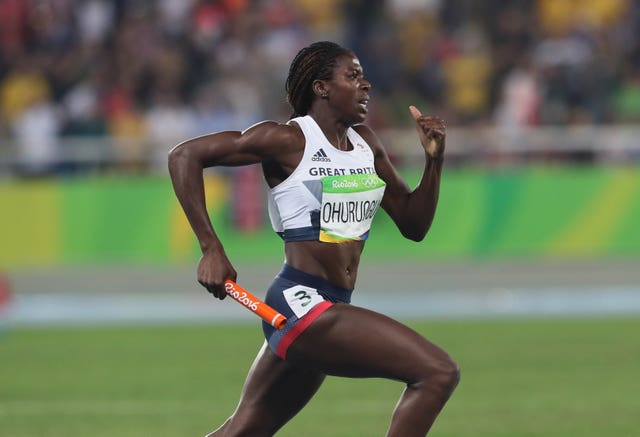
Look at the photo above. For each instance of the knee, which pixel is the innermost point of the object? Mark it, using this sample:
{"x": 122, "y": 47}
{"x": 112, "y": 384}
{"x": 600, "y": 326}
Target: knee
{"x": 449, "y": 376}
{"x": 442, "y": 376}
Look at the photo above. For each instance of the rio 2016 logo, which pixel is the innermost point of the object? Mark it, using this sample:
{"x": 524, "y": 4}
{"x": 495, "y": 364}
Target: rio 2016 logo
{"x": 240, "y": 297}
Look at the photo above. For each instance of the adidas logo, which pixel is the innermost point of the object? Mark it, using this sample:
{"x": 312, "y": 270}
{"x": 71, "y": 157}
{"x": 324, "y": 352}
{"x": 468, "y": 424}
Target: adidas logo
{"x": 320, "y": 155}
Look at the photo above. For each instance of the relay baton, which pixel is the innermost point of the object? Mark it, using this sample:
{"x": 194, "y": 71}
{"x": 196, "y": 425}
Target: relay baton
{"x": 255, "y": 305}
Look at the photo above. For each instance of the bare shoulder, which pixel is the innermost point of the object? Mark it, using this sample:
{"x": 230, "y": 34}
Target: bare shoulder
{"x": 274, "y": 135}
{"x": 370, "y": 137}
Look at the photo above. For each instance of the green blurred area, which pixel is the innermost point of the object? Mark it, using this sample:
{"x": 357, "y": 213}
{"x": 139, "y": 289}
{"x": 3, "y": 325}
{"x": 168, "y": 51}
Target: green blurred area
{"x": 529, "y": 211}
{"x": 528, "y": 377}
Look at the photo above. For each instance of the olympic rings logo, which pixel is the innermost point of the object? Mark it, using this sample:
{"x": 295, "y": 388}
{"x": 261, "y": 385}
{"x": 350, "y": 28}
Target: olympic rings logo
{"x": 370, "y": 182}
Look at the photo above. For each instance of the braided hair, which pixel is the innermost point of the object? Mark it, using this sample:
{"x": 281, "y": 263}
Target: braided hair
{"x": 314, "y": 62}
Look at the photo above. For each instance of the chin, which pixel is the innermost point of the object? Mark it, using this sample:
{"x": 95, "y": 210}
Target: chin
{"x": 355, "y": 118}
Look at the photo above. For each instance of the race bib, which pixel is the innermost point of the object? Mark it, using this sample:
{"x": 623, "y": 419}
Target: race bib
{"x": 349, "y": 204}
{"x": 302, "y": 299}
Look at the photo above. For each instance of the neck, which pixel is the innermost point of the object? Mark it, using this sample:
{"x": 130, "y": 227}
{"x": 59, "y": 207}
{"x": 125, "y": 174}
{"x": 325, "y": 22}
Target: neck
{"x": 334, "y": 130}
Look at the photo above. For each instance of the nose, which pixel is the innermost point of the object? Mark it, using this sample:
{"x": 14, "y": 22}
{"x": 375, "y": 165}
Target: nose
{"x": 365, "y": 84}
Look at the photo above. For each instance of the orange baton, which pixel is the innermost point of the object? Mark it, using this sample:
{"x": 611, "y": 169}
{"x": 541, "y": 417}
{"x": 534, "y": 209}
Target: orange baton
{"x": 255, "y": 305}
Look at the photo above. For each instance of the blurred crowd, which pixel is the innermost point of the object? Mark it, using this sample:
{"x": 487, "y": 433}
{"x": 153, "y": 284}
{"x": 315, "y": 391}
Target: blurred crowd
{"x": 145, "y": 74}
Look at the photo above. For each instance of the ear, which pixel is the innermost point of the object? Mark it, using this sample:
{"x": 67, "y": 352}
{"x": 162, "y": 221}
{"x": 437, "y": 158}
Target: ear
{"x": 320, "y": 89}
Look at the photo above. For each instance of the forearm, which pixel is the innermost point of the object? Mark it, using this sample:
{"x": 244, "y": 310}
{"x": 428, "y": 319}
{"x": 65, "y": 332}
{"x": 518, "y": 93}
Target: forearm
{"x": 186, "y": 169}
{"x": 420, "y": 205}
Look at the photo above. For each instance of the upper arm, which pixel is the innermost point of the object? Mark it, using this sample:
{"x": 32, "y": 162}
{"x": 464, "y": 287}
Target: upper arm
{"x": 261, "y": 142}
{"x": 397, "y": 188}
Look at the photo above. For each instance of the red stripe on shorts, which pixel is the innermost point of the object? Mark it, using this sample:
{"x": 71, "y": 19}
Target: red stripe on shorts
{"x": 299, "y": 327}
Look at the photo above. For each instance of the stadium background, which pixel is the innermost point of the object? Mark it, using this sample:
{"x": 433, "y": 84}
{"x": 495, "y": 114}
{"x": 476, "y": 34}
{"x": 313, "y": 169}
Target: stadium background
{"x": 539, "y": 207}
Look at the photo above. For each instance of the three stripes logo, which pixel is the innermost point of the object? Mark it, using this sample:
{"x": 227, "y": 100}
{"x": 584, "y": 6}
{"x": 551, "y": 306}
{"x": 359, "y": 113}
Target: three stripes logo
{"x": 320, "y": 155}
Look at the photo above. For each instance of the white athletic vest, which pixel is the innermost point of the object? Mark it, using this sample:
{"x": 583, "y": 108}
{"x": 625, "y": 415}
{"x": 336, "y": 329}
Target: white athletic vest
{"x": 332, "y": 195}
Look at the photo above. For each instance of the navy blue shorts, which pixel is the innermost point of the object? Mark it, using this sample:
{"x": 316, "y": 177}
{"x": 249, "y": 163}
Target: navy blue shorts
{"x": 301, "y": 298}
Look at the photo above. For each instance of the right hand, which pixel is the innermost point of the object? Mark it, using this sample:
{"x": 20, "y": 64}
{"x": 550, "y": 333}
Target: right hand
{"x": 213, "y": 270}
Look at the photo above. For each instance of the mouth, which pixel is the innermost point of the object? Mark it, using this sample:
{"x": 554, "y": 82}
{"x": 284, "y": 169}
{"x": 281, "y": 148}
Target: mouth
{"x": 363, "y": 103}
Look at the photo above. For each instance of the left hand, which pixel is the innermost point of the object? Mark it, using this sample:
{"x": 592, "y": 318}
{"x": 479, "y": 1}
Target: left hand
{"x": 431, "y": 130}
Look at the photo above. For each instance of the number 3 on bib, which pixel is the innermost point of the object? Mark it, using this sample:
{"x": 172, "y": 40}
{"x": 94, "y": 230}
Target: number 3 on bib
{"x": 301, "y": 299}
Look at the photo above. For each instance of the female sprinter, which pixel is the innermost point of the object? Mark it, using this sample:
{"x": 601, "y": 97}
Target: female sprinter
{"x": 327, "y": 175}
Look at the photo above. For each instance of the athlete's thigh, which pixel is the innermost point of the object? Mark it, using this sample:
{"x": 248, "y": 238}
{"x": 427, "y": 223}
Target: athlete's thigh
{"x": 347, "y": 340}
{"x": 275, "y": 390}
